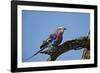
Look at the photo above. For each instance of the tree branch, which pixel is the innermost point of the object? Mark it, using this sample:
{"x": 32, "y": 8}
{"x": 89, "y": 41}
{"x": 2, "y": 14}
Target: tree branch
{"x": 82, "y": 42}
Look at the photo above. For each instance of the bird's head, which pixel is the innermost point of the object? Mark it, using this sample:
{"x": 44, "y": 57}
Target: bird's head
{"x": 61, "y": 29}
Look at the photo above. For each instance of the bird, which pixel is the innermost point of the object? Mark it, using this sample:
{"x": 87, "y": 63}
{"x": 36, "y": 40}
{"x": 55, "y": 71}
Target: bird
{"x": 53, "y": 41}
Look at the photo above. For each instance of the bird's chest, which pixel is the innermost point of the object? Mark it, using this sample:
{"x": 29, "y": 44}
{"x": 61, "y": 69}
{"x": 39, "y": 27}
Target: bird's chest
{"x": 59, "y": 36}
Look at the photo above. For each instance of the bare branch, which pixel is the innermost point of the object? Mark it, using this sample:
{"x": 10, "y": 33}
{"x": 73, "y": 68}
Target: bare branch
{"x": 82, "y": 42}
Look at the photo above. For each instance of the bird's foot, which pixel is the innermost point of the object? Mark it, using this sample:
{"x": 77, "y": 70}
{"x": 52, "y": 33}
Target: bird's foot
{"x": 78, "y": 48}
{"x": 49, "y": 51}
{"x": 46, "y": 52}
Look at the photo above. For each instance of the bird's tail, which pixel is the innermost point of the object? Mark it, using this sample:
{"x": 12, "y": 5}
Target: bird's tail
{"x": 34, "y": 54}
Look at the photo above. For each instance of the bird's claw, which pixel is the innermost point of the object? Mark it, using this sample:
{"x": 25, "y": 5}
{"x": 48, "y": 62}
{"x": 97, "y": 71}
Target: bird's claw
{"x": 46, "y": 52}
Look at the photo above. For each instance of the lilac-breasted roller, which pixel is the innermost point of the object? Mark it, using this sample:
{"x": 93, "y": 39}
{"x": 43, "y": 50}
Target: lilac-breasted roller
{"x": 54, "y": 39}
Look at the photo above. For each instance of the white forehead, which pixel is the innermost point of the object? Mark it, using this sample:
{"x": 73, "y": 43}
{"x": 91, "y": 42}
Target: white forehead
{"x": 60, "y": 28}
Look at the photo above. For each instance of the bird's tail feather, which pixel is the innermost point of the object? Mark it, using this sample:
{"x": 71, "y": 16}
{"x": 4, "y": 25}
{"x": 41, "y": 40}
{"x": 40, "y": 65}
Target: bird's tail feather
{"x": 34, "y": 54}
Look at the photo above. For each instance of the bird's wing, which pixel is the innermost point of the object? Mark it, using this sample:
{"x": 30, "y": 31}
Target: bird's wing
{"x": 46, "y": 42}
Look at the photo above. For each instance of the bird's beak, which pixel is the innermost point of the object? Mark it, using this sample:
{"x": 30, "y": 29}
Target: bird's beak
{"x": 65, "y": 28}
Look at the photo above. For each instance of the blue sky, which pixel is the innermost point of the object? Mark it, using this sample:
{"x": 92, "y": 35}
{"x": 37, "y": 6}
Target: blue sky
{"x": 38, "y": 25}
